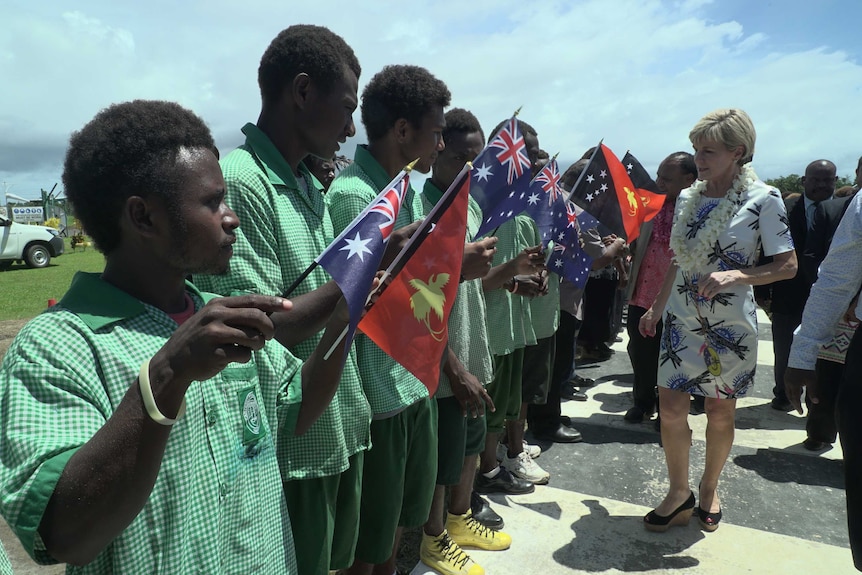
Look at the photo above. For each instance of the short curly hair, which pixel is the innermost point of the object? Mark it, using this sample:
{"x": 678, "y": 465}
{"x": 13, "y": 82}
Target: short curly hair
{"x": 461, "y": 121}
{"x": 400, "y": 91}
{"x": 304, "y": 48}
{"x": 128, "y": 149}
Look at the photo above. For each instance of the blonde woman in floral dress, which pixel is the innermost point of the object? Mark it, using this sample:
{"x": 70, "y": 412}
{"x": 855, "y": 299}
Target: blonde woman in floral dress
{"x": 709, "y": 343}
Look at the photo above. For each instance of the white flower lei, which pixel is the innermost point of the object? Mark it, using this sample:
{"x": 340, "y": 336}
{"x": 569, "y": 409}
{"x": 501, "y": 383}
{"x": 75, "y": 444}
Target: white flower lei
{"x": 693, "y": 257}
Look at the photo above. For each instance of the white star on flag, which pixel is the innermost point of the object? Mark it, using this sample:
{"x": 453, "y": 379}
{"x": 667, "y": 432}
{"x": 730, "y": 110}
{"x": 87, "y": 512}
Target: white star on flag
{"x": 629, "y": 166}
{"x": 589, "y": 197}
{"x": 561, "y": 236}
{"x": 558, "y": 262}
{"x": 512, "y": 193}
{"x": 603, "y": 174}
{"x": 483, "y": 173}
{"x": 590, "y": 179}
{"x": 356, "y": 247}
{"x": 533, "y": 199}
{"x": 604, "y": 187}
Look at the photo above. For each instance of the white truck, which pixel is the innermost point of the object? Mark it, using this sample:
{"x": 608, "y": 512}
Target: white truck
{"x": 35, "y": 245}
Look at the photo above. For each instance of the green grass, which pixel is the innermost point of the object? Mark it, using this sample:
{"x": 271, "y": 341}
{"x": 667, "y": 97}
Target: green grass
{"x": 25, "y": 292}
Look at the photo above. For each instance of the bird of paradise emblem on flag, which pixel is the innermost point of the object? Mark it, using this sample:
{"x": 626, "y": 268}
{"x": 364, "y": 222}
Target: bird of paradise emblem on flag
{"x": 429, "y": 297}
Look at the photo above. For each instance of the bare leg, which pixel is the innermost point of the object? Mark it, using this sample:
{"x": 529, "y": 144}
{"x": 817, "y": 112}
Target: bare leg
{"x": 436, "y": 518}
{"x": 488, "y": 461}
{"x": 459, "y": 495}
{"x": 515, "y": 432}
{"x": 360, "y": 568}
{"x": 676, "y": 438}
{"x": 720, "y": 418}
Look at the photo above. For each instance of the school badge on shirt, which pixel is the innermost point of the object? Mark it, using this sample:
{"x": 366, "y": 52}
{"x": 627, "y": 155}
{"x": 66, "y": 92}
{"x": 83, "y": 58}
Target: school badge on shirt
{"x": 252, "y": 422}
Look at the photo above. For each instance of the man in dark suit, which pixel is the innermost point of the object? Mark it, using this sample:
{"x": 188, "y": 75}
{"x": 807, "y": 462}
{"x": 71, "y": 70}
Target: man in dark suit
{"x": 821, "y": 427}
{"x": 788, "y": 297}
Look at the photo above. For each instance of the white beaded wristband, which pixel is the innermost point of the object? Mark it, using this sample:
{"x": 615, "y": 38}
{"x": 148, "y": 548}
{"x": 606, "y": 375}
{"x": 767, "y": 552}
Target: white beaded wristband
{"x": 150, "y": 401}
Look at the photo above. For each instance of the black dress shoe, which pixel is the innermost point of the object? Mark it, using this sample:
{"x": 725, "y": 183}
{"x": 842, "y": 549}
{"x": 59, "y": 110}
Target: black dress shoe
{"x": 562, "y": 434}
{"x": 483, "y": 513}
{"x": 636, "y": 414}
{"x": 578, "y": 381}
{"x": 503, "y": 482}
{"x": 568, "y": 391}
{"x": 781, "y": 404}
{"x": 814, "y": 444}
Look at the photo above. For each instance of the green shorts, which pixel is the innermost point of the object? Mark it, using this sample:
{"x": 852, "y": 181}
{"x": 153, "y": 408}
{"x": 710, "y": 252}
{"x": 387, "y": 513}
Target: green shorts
{"x": 505, "y": 390}
{"x": 324, "y": 514}
{"x": 398, "y": 479}
{"x": 457, "y": 437}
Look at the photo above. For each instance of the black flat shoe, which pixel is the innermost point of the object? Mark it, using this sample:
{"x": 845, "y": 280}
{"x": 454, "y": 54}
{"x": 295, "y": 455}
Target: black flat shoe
{"x": 681, "y": 516}
{"x": 708, "y": 521}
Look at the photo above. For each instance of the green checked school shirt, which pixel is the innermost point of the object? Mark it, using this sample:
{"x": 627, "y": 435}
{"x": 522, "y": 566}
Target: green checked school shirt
{"x": 544, "y": 310}
{"x": 5, "y": 566}
{"x": 282, "y": 229}
{"x": 510, "y": 323}
{"x": 217, "y": 505}
{"x": 388, "y": 386}
{"x": 468, "y": 338}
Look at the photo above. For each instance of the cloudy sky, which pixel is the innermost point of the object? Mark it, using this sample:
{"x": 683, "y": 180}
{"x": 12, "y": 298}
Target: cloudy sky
{"x": 638, "y": 73}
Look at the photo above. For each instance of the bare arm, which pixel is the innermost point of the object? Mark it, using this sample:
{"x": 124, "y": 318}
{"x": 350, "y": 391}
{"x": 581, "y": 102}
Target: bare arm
{"x": 783, "y": 266}
{"x": 528, "y": 262}
{"x": 650, "y": 319}
{"x": 320, "y": 377}
{"x": 308, "y": 317}
{"x": 109, "y": 479}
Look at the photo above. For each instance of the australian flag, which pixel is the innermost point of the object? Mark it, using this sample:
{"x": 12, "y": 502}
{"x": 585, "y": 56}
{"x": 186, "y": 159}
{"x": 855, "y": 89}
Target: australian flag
{"x": 567, "y": 259}
{"x": 353, "y": 258}
{"x": 501, "y": 177}
{"x": 545, "y": 202}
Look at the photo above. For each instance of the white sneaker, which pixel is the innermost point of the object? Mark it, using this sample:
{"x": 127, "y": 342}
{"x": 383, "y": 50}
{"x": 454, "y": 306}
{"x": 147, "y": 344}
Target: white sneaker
{"x": 524, "y": 467}
{"x": 532, "y": 450}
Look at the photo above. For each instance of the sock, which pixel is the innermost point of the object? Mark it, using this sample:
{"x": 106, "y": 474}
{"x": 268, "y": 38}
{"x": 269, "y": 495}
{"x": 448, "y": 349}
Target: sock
{"x": 493, "y": 473}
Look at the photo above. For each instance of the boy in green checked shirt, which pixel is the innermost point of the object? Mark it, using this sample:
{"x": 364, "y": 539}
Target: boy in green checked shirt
{"x": 461, "y": 398}
{"x": 144, "y": 410}
{"x": 402, "y": 110}
{"x": 308, "y": 80}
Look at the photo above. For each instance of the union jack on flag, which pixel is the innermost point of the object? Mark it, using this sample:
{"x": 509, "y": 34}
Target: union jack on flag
{"x": 513, "y": 150}
{"x": 546, "y": 183}
{"x": 500, "y": 177}
{"x": 388, "y": 203}
{"x": 354, "y": 256}
{"x": 568, "y": 259}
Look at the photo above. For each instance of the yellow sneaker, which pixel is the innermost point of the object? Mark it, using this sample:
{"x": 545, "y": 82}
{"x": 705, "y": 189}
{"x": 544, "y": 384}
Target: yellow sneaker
{"x": 444, "y": 556}
{"x": 467, "y": 532}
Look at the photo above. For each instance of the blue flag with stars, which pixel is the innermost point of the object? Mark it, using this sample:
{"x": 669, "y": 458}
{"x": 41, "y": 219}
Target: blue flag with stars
{"x": 567, "y": 258}
{"x": 501, "y": 177}
{"x": 545, "y": 203}
{"x": 353, "y": 258}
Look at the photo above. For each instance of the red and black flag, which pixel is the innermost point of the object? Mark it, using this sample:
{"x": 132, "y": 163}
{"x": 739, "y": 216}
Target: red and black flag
{"x": 605, "y": 190}
{"x": 651, "y": 197}
{"x": 410, "y": 319}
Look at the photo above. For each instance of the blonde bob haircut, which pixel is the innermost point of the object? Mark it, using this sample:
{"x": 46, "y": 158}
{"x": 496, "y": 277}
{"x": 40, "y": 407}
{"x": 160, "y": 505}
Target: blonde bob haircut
{"x": 730, "y": 127}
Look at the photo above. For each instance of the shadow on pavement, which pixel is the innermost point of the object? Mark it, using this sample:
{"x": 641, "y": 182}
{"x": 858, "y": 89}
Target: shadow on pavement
{"x": 596, "y": 546}
{"x": 780, "y": 466}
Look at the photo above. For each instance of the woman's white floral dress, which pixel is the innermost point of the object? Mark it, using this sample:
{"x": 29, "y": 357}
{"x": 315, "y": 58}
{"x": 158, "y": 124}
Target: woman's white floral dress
{"x": 709, "y": 346}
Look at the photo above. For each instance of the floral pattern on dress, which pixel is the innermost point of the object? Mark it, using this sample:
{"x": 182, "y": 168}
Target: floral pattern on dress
{"x": 709, "y": 345}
